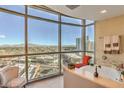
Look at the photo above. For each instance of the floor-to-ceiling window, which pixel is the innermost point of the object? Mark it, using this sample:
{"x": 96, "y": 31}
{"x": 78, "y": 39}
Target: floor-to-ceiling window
{"x": 42, "y": 36}
{"x": 12, "y": 39}
{"x": 51, "y": 39}
{"x": 89, "y": 39}
{"x": 71, "y": 40}
{"x": 42, "y": 41}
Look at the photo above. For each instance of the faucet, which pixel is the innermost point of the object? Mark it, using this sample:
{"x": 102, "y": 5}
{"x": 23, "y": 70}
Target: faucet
{"x": 96, "y": 72}
{"x": 121, "y": 76}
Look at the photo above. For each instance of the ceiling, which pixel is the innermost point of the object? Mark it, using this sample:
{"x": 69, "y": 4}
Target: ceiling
{"x": 91, "y": 12}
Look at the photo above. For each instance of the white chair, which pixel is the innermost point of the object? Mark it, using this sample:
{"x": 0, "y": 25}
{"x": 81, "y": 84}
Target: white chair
{"x": 9, "y": 78}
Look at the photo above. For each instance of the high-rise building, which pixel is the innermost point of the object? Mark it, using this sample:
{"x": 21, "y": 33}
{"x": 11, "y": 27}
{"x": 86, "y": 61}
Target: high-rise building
{"x": 89, "y": 44}
{"x": 78, "y": 43}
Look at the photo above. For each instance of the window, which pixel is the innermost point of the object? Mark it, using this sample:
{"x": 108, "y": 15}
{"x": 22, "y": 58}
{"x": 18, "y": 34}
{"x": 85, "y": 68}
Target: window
{"x": 90, "y": 38}
{"x": 72, "y": 58}
{"x": 71, "y": 38}
{"x": 41, "y": 66}
{"x": 71, "y": 20}
{"x": 43, "y": 41}
{"x": 16, "y": 8}
{"x": 14, "y": 61}
{"x": 42, "y": 14}
{"x": 90, "y": 42}
{"x": 43, "y": 36}
{"x": 89, "y": 22}
{"x": 11, "y": 34}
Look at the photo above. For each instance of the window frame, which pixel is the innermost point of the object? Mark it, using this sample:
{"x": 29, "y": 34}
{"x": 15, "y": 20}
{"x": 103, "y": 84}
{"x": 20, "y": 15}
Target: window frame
{"x": 59, "y": 22}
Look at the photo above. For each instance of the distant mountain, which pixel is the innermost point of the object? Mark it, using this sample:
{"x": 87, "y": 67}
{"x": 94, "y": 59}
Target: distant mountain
{"x": 69, "y": 46}
{"x": 22, "y": 45}
{"x": 15, "y": 45}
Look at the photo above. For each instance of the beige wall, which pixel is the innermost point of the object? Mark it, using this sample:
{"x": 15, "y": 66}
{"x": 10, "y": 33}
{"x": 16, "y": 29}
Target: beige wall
{"x": 108, "y": 27}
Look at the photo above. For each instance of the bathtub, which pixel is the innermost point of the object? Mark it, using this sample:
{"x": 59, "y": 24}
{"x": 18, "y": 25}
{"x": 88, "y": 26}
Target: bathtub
{"x": 104, "y": 71}
{"x": 84, "y": 78}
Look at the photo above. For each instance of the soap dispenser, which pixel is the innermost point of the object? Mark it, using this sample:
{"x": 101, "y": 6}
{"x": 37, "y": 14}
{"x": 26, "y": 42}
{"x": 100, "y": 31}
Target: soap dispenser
{"x": 96, "y": 73}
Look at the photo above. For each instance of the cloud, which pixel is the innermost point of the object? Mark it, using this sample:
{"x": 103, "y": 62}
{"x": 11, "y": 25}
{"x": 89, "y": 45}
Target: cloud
{"x": 2, "y": 36}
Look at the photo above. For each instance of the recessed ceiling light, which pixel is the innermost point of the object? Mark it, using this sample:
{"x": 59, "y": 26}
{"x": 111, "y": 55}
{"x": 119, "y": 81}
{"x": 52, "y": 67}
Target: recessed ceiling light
{"x": 103, "y": 11}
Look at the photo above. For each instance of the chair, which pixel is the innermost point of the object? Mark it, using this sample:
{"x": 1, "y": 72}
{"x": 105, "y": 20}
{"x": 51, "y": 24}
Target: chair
{"x": 9, "y": 78}
{"x": 85, "y": 61}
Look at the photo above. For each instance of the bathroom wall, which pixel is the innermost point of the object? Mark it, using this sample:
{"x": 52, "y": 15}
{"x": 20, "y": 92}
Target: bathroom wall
{"x": 108, "y": 27}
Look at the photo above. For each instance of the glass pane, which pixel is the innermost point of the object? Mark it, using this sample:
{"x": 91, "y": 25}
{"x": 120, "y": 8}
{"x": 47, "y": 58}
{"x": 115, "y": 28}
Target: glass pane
{"x": 72, "y": 58}
{"x": 92, "y": 57}
{"x": 43, "y": 36}
{"x": 17, "y": 8}
{"x": 14, "y": 61}
{"x": 11, "y": 34}
{"x": 90, "y": 38}
{"x": 71, "y": 20}
{"x": 71, "y": 38}
{"x": 43, "y": 65}
{"x": 43, "y": 14}
{"x": 89, "y": 22}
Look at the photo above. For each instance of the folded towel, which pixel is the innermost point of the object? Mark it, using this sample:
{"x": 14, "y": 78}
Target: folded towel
{"x": 115, "y": 44}
{"x": 107, "y": 45}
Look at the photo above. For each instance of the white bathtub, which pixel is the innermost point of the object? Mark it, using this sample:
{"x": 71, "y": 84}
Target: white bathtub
{"x": 106, "y": 72}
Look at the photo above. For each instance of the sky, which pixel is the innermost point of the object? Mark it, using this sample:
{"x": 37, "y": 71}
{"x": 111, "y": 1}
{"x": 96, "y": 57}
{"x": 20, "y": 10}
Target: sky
{"x": 39, "y": 32}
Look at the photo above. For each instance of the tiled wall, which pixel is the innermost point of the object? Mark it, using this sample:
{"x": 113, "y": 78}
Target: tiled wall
{"x": 109, "y": 27}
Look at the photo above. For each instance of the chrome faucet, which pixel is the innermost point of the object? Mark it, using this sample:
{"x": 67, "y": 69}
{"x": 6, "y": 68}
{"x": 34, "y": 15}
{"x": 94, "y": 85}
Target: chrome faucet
{"x": 96, "y": 72}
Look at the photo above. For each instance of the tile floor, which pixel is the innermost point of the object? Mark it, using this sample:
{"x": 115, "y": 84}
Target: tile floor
{"x": 54, "y": 82}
